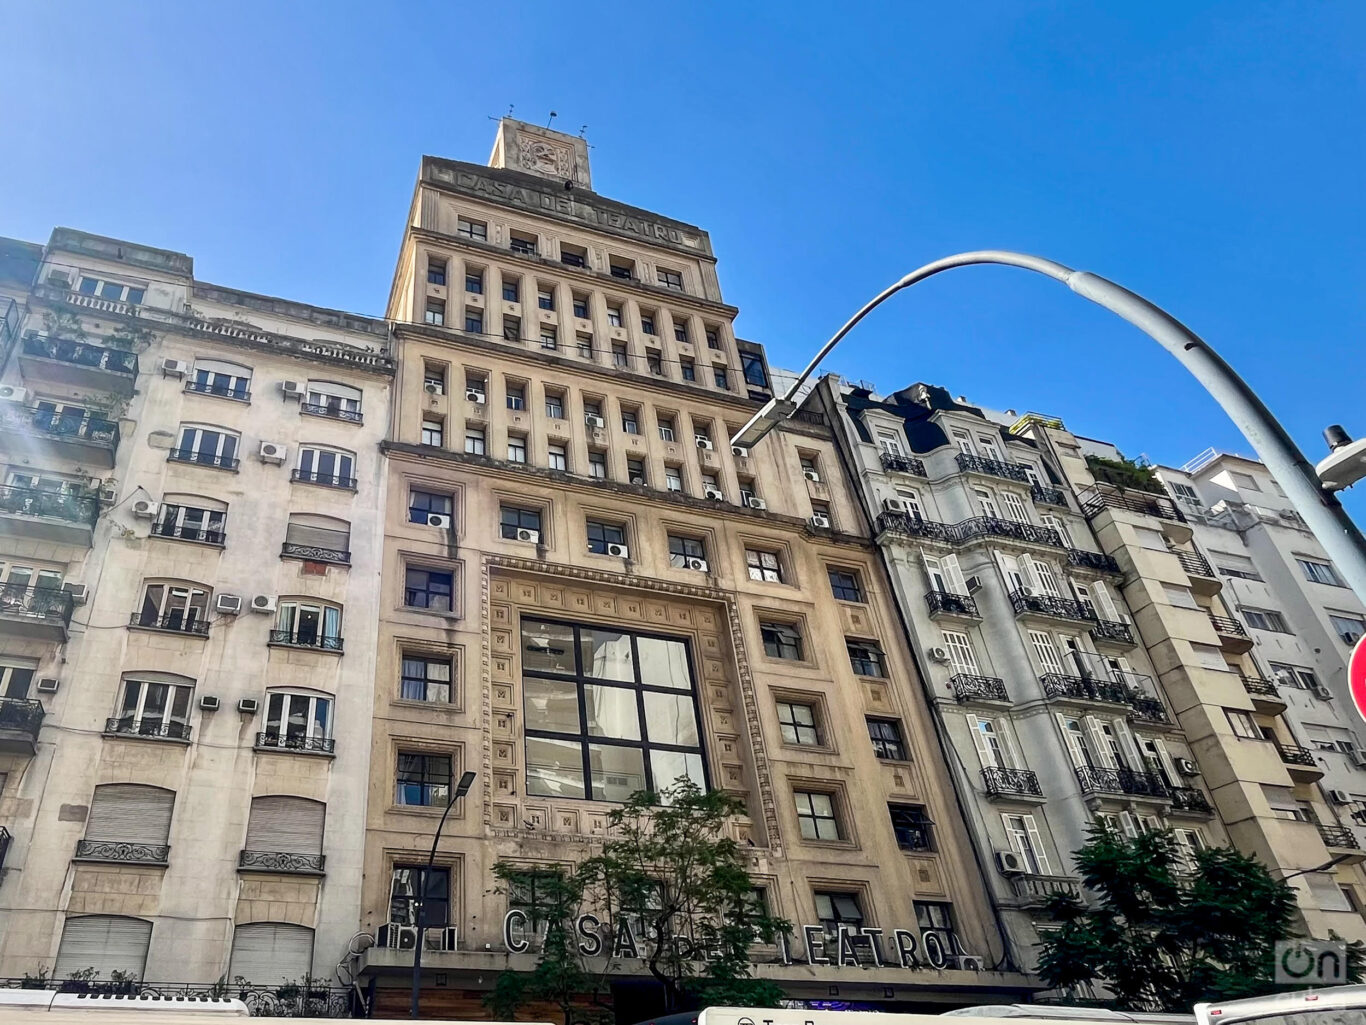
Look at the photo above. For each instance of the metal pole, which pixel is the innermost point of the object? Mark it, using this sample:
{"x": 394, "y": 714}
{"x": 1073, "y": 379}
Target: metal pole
{"x": 1319, "y": 508}
{"x": 461, "y": 789}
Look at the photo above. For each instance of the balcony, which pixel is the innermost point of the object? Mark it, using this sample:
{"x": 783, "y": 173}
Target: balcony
{"x": 268, "y": 741}
{"x": 44, "y": 435}
{"x": 1036, "y": 890}
{"x": 41, "y": 515}
{"x": 1189, "y": 799}
{"x": 969, "y": 463}
{"x": 1202, "y": 576}
{"x": 898, "y": 463}
{"x": 147, "y": 729}
{"x": 123, "y": 852}
{"x": 175, "y": 623}
{"x": 219, "y": 390}
{"x": 20, "y": 721}
{"x": 39, "y": 613}
{"x": 1232, "y": 634}
{"x": 1109, "y": 632}
{"x": 914, "y": 526}
{"x": 1081, "y": 688}
{"x": 326, "y": 480}
{"x": 994, "y": 526}
{"x": 943, "y": 603}
{"x": 350, "y": 416}
{"x": 1100, "y": 496}
{"x": 78, "y": 365}
{"x": 1299, "y": 762}
{"x": 281, "y": 861}
{"x": 1048, "y": 496}
{"x": 1051, "y": 606}
{"x": 1098, "y": 561}
{"x": 1339, "y": 838}
{"x": 306, "y": 639}
{"x": 212, "y": 460}
{"x": 967, "y": 687}
{"x": 182, "y": 532}
{"x": 1122, "y": 781}
{"x": 1265, "y": 697}
{"x": 1002, "y": 782}
{"x": 1150, "y": 710}
{"x": 312, "y": 553}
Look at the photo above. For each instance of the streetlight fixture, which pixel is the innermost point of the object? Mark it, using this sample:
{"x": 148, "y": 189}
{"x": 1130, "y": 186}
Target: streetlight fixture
{"x": 461, "y": 789}
{"x": 1312, "y": 497}
{"x": 1333, "y": 862}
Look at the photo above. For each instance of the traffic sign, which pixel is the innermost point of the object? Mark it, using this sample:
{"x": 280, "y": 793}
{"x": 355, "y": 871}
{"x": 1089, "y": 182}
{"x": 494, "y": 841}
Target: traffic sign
{"x": 1356, "y": 676}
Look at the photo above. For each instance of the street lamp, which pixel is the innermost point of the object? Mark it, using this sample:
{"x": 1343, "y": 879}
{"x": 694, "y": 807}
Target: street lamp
{"x": 1312, "y": 498}
{"x": 1333, "y": 862}
{"x": 461, "y": 789}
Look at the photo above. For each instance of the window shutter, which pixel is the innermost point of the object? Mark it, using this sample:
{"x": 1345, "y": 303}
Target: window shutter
{"x": 130, "y": 813}
{"x": 1129, "y": 745}
{"x": 1099, "y": 744}
{"x": 268, "y": 953}
{"x": 1073, "y": 740}
{"x": 930, "y": 563}
{"x": 1105, "y": 604}
{"x": 1031, "y": 578}
{"x": 954, "y": 575}
{"x": 1163, "y": 756}
{"x": 107, "y": 943}
{"x": 1130, "y": 825}
{"x": 1048, "y": 580}
{"x": 285, "y": 825}
{"x": 1046, "y": 651}
{"x": 984, "y": 752}
{"x": 301, "y": 532}
{"x": 1040, "y": 855}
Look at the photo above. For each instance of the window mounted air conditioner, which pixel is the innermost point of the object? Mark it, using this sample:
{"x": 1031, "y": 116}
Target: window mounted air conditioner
{"x": 698, "y": 564}
{"x": 48, "y": 685}
{"x": 973, "y": 583}
{"x": 1357, "y": 758}
{"x": 228, "y": 604}
{"x": 966, "y": 963}
{"x": 475, "y": 395}
{"x": 534, "y": 536}
{"x": 1340, "y": 797}
{"x": 13, "y": 393}
{"x": 1009, "y": 862}
{"x": 109, "y": 493}
{"x": 739, "y": 451}
{"x": 938, "y": 654}
{"x": 1026, "y": 590}
{"x": 272, "y": 452}
{"x": 1187, "y": 767}
{"x": 638, "y": 480}
{"x": 894, "y": 505}
{"x": 593, "y": 420}
{"x": 821, "y": 521}
{"x": 78, "y": 593}
{"x": 714, "y": 494}
{"x": 263, "y": 603}
{"x": 439, "y": 520}
{"x": 755, "y": 502}
{"x": 703, "y": 442}
{"x": 811, "y": 475}
{"x": 208, "y": 703}
{"x": 431, "y": 388}
{"x": 145, "y": 508}
{"x": 620, "y": 551}
{"x": 1323, "y": 693}
{"x": 405, "y": 936}
{"x": 174, "y": 368}
{"x": 293, "y": 389}
{"x": 248, "y": 706}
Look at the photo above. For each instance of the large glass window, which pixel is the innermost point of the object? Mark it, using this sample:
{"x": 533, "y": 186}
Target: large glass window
{"x": 309, "y": 625}
{"x": 180, "y": 519}
{"x": 836, "y": 910}
{"x": 816, "y": 815}
{"x": 886, "y": 737}
{"x": 427, "y": 507}
{"x": 845, "y": 585}
{"x": 764, "y": 566}
{"x": 218, "y": 377}
{"x": 428, "y": 589}
{"x": 330, "y": 467}
{"x": 182, "y": 607}
{"x": 519, "y": 524}
{"x": 297, "y": 721}
{"x": 797, "y": 723}
{"x": 425, "y": 678}
{"x": 339, "y": 401}
{"x": 912, "y": 827}
{"x": 155, "y": 708}
{"x": 208, "y": 446}
{"x": 607, "y": 712}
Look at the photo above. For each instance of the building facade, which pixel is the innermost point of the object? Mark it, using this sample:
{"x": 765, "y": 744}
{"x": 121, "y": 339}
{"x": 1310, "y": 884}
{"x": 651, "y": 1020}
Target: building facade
{"x": 190, "y": 529}
{"x": 587, "y": 592}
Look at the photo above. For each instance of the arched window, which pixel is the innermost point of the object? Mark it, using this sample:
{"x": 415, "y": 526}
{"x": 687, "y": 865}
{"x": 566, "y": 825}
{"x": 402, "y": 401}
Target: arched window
{"x": 128, "y": 822}
{"x": 330, "y": 467}
{"x": 338, "y": 401}
{"x": 191, "y": 518}
{"x": 271, "y": 953}
{"x": 207, "y": 445}
{"x": 297, "y": 721}
{"x": 154, "y": 705}
{"x": 106, "y": 943}
{"x": 178, "y": 605}
{"x": 317, "y": 538}
{"x": 284, "y": 834}
{"x": 221, "y": 378}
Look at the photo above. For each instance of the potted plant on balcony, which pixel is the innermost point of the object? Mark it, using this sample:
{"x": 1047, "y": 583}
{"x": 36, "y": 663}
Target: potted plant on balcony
{"x": 120, "y": 984}
{"x": 78, "y": 981}
{"x": 1125, "y": 473}
{"x": 63, "y": 325}
{"x": 38, "y": 981}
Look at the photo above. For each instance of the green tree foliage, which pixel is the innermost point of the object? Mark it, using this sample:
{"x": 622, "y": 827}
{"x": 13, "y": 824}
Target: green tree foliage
{"x": 1160, "y": 938}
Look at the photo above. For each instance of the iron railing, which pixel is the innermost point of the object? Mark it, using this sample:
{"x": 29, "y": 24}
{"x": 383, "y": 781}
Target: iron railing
{"x": 57, "y": 505}
{"x": 1195, "y": 564}
{"x": 999, "y": 780}
{"x": 944, "y": 603}
{"x": 82, "y": 354}
{"x": 1098, "y": 497}
{"x": 159, "y": 729}
{"x": 186, "y": 455}
{"x": 993, "y": 467}
{"x": 1061, "y": 685}
{"x": 175, "y": 622}
{"x": 310, "y": 998}
{"x": 1340, "y": 837}
{"x": 122, "y": 850}
{"x": 183, "y": 532}
{"x": 914, "y": 526}
{"x": 351, "y": 416}
{"x": 281, "y": 861}
{"x": 1293, "y": 754}
{"x": 1122, "y": 781}
{"x": 24, "y": 715}
{"x": 995, "y": 526}
{"x": 1114, "y": 632}
{"x": 219, "y": 390}
{"x": 68, "y": 424}
{"x": 315, "y": 554}
{"x": 1256, "y": 685}
{"x": 272, "y": 741}
{"x": 1190, "y": 799}
{"x": 1045, "y": 495}
{"x": 329, "y": 480}
{"x": 36, "y": 602}
{"x": 5, "y": 840}
{"x": 9, "y": 319}
{"x": 1150, "y": 709}
{"x": 1227, "y": 627}
{"x": 1036, "y": 889}
{"x": 306, "y": 639}
{"x": 903, "y": 464}
{"x": 1052, "y": 605}
{"x": 968, "y": 687}
{"x": 1092, "y": 560}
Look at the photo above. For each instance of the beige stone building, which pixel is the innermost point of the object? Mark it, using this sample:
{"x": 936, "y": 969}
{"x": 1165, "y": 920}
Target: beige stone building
{"x": 190, "y": 540}
{"x": 587, "y": 591}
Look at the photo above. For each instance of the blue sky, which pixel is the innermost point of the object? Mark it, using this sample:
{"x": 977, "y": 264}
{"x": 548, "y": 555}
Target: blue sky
{"x": 1209, "y": 156}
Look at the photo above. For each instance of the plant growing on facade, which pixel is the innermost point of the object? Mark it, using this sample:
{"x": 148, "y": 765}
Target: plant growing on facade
{"x": 1160, "y": 938}
{"x": 63, "y": 324}
{"x": 1125, "y": 473}
{"x": 130, "y": 338}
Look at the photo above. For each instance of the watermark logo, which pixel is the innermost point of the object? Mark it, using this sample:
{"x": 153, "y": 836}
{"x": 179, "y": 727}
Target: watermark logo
{"x": 1311, "y": 963}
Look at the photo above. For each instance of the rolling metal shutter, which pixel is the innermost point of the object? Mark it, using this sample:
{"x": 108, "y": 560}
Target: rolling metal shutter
{"x": 318, "y": 532}
{"x": 269, "y": 953}
{"x": 130, "y": 813}
{"x": 105, "y": 943}
{"x": 286, "y": 825}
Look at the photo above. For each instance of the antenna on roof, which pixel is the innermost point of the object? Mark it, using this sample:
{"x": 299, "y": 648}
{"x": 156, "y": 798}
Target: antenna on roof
{"x": 582, "y": 129}
{"x": 553, "y": 116}
{"x": 508, "y": 114}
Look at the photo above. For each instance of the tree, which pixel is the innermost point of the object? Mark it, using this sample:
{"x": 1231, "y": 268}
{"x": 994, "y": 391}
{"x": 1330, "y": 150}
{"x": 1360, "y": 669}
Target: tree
{"x": 1159, "y": 939}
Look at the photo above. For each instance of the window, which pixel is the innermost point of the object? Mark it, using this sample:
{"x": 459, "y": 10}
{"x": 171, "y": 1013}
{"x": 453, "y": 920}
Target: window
{"x": 713, "y": 338}
{"x": 673, "y": 478}
{"x": 1265, "y": 619}
{"x": 607, "y": 712}
{"x": 866, "y": 659}
{"x": 1056, "y": 523}
{"x": 781, "y": 640}
{"x": 885, "y": 735}
{"x": 106, "y": 943}
{"x": 1349, "y": 628}
{"x": 1015, "y": 507}
{"x": 474, "y": 321}
{"x": 1231, "y": 565}
{"x": 688, "y": 369}
{"x": 613, "y": 315}
{"x": 516, "y": 396}
{"x": 600, "y": 535}
{"x": 597, "y": 465}
{"x": 554, "y": 405}
{"x": 512, "y": 289}
{"x": 207, "y": 446}
{"x": 573, "y": 257}
{"x": 764, "y": 566}
{"x": 962, "y": 658}
{"x": 820, "y": 511}
{"x": 1243, "y": 724}
{"x": 1245, "y": 480}
{"x": 423, "y": 779}
{"x": 647, "y": 322}
{"x": 549, "y": 337}
{"x": 654, "y": 362}
{"x": 14, "y": 683}
{"x": 130, "y": 821}
{"x": 512, "y": 328}
{"x": 630, "y": 421}
{"x": 592, "y": 408}
{"x": 985, "y": 502}
{"x": 711, "y": 485}
{"x": 516, "y": 448}
{"x": 912, "y": 827}
{"x": 681, "y": 331}
{"x": 585, "y": 346}
{"x": 1180, "y": 596}
{"x": 666, "y": 428}
{"x": 112, "y": 290}
{"x": 188, "y": 519}
{"x": 1319, "y": 572}
{"x": 181, "y": 607}
{"x": 816, "y": 815}
{"x": 838, "y": 913}
{"x": 435, "y": 312}
{"x": 527, "y": 893}
{"x": 158, "y": 705}
{"x": 935, "y": 919}
{"x": 429, "y": 589}
{"x": 522, "y": 245}
{"x": 474, "y": 441}
{"x": 1045, "y": 651}
{"x": 747, "y": 492}
{"x": 327, "y": 466}
{"x": 308, "y": 624}
{"x": 845, "y": 586}
{"x": 619, "y": 354}
{"x": 797, "y": 724}
{"x": 621, "y": 268}
{"x": 1027, "y": 843}
{"x": 545, "y": 298}
{"x": 474, "y": 281}
{"x": 338, "y": 401}
{"x": 221, "y": 378}
{"x": 433, "y": 431}
{"x": 685, "y": 551}
{"x": 299, "y": 722}
{"x": 810, "y": 470}
{"x": 635, "y": 471}
{"x": 472, "y": 229}
{"x": 557, "y": 457}
{"x": 415, "y": 886}
{"x": 317, "y": 538}
{"x": 425, "y": 678}
{"x": 580, "y": 304}
{"x": 669, "y": 278}
{"x": 752, "y": 367}
{"x": 1184, "y": 492}
{"x": 515, "y": 522}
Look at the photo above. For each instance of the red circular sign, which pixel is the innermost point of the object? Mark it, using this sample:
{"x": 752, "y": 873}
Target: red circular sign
{"x": 1356, "y": 676}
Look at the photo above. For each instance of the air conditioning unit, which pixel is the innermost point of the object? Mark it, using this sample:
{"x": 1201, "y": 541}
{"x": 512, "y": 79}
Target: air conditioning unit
{"x": 59, "y": 279}
{"x": 1026, "y": 590}
{"x": 272, "y": 452}
{"x": 621, "y": 551}
{"x": 248, "y": 706}
{"x": 1323, "y": 693}
{"x": 109, "y": 493}
{"x": 174, "y": 368}
{"x": 431, "y": 388}
{"x": 399, "y": 937}
{"x": 973, "y": 584}
{"x": 714, "y": 494}
{"x": 48, "y": 685}
{"x": 228, "y": 604}
{"x": 1009, "y": 862}
{"x": 263, "y": 603}
{"x": 967, "y": 963}
{"x": 698, "y": 564}
{"x": 443, "y": 938}
{"x": 1187, "y": 767}
{"x": 534, "y": 536}
{"x": 293, "y": 389}
{"x": 811, "y": 475}
{"x": 755, "y": 502}
{"x": 439, "y": 520}
{"x": 938, "y": 653}
{"x": 821, "y": 521}
{"x": 703, "y": 441}
{"x": 593, "y": 420}
{"x": 739, "y": 451}
{"x": 895, "y": 505}
{"x": 638, "y": 480}
{"x": 208, "y": 703}
{"x": 146, "y": 508}
{"x": 78, "y": 593}
{"x": 1340, "y": 797}
{"x": 13, "y": 393}
{"x": 1357, "y": 758}
{"x": 476, "y": 396}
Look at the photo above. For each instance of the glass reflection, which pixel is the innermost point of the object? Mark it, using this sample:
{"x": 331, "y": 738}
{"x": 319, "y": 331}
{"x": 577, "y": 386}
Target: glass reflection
{"x": 670, "y": 719}
{"x": 606, "y": 654}
{"x": 548, "y": 647}
{"x": 664, "y": 663}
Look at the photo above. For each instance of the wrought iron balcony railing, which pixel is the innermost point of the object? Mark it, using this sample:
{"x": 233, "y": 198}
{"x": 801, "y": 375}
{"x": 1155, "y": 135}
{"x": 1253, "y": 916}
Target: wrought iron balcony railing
{"x": 942, "y": 603}
{"x": 327, "y": 480}
{"x": 183, "y": 532}
{"x": 1001, "y": 781}
{"x": 1122, "y": 781}
{"x": 315, "y": 554}
{"x": 155, "y": 729}
{"x": 967, "y": 687}
{"x": 1052, "y": 606}
{"x": 1036, "y": 889}
{"x": 306, "y": 639}
{"x": 82, "y": 354}
{"x": 1092, "y": 560}
{"x": 994, "y": 526}
{"x": 67, "y": 424}
{"x": 5, "y": 840}
{"x": 281, "y": 861}
{"x": 1061, "y": 685}
{"x": 1190, "y": 799}
{"x": 24, "y": 715}
{"x": 1113, "y": 632}
{"x": 1340, "y": 837}
{"x": 903, "y": 464}
{"x": 351, "y": 416}
{"x": 175, "y": 622}
{"x": 212, "y": 459}
{"x": 36, "y": 602}
{"x": 1256, "y": 685}
{"x": 994, "y": 467}
{"x": 1193, "y": 563}
{"x": 220, "y": 389}
{"x": 1150, "y": 709}
{"x": 57, "y": 505}
{"x": 1101, "y": 496}
{"x": 122, "y": 850}
{"x": 1045, "y": 495}
{"x": 914, "y": 526}
{"x": 1227, "y": 627}
{"x": 284, "y": 742}
{"x": 1293, "y": 754}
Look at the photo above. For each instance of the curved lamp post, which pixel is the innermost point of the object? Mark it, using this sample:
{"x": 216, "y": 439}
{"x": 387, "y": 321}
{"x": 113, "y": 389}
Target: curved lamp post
{"x": 1319, "y": 507}
{"x": 461, "y": 789}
